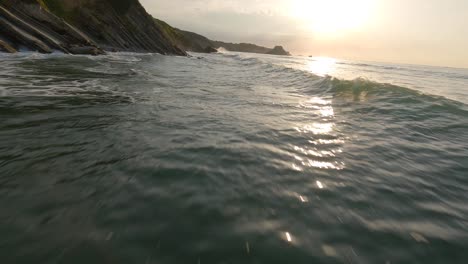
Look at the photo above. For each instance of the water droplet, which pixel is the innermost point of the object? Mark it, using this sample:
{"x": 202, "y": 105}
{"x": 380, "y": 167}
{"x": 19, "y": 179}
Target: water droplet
{"x": 303, "y": 199}
{"x": 109, "y": 236}
{"x": 320, "y": 185}
{"x": 329, "y": 251}
{"x": 419, "y": 238}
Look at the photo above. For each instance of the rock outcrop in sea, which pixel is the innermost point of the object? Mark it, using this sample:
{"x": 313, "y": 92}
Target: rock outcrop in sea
{"x": 279, "y": 50}
{"x": 81, "y": 27}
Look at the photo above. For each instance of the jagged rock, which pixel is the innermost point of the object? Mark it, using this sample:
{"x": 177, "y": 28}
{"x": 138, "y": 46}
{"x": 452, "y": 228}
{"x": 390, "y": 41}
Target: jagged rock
{"x": 27, "y": 24}
{"x": 81, "y": 27}
{"x": 123, "y": 25}
{"x": 15, "y": 29}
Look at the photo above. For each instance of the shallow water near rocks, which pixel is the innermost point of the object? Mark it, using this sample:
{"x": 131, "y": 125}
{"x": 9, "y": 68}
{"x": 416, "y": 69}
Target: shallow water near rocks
{"x": 231, "y": 158}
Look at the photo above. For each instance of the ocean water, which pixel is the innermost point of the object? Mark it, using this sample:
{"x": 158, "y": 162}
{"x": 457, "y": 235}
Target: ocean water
{"x": 231, "y": 158}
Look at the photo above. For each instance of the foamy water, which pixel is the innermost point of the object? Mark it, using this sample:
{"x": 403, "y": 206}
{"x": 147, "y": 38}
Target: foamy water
{"x": 231, "y": 158}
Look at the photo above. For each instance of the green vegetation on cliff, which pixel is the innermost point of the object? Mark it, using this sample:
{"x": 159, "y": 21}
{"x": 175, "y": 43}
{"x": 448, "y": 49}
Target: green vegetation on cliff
{"x": 185, "y": 40}
{"x": 82, "y": 26}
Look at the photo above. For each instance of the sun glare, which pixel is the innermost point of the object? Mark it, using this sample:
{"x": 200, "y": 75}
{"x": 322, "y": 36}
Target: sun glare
{"x": 321, "y": 66}
{"x": 332, "y": 17}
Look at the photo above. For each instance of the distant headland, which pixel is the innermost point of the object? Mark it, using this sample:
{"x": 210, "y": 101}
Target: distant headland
{"x": 96, "y": 26}
{"x": 190, "y": 41}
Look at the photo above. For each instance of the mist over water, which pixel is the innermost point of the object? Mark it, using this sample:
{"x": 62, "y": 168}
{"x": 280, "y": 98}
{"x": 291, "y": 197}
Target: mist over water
{"x": 231, "y": 158}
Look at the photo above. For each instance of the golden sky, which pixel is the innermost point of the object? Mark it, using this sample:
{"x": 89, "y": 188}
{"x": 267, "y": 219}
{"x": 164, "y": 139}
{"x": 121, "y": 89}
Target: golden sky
{"x": 430, "y": 32}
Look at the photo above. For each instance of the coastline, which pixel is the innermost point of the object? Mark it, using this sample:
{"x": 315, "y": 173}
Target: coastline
{"x": 94, "y": 27}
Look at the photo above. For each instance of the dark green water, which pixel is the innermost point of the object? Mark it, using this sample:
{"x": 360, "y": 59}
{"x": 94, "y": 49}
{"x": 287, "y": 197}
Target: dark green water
{"x": 225, "y": 159}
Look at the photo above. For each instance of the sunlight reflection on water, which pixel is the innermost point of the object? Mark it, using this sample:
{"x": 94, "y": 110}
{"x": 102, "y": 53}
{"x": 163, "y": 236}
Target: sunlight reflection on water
{"x": 318, "y": 152}
{"x": 321, "y": 66}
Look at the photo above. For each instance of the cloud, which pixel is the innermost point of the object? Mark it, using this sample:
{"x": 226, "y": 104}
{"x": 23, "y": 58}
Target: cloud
{"x": 260, "y": 21}
{"x": 270, "y": 7}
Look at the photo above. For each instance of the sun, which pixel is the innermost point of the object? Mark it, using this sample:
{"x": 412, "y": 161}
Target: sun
{"x": 333, "y": 17}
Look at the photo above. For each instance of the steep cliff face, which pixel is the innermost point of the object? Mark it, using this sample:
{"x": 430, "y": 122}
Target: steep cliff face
{"x": 29, "y": 25}
{"x": 81, "y": 27}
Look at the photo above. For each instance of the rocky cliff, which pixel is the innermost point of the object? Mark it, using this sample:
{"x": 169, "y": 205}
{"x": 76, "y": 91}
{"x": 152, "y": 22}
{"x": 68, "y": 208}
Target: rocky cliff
{"x": 81, "y": 27}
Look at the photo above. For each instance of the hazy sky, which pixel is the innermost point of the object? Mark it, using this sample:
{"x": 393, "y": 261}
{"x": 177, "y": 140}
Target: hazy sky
{"x": 433, "y": 32}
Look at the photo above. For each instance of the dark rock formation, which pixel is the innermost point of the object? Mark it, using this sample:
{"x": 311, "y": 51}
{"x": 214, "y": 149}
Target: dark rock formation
{"x": 210, "y": 49}
{"x": 19, "y": 30}
{"x": 278, "y": 50}
{"x": 81, "y": 27}
{"x": 5, "y": 47}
